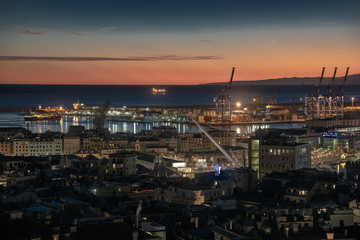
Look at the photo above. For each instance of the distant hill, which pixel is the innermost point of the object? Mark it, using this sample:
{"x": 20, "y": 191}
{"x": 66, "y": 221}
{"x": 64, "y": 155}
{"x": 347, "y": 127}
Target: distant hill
{"x": 351, "y": 80}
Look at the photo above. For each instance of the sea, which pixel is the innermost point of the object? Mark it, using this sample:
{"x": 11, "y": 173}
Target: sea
{"x": 26, "y": 96}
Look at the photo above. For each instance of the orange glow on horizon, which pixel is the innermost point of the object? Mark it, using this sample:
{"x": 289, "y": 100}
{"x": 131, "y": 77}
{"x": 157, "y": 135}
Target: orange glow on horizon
{"x": 147, "y": 73}
{"x": 272, "y": 63}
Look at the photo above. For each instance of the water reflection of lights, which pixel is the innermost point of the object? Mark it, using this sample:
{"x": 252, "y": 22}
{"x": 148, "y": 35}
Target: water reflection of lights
{"x": 62, "y": 125}
{"x": 113, "y": 126}
{"x": 75, "y": 120}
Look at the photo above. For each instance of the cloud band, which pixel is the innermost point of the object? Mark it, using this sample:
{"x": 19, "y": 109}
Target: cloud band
{"x": 84, "y": 59}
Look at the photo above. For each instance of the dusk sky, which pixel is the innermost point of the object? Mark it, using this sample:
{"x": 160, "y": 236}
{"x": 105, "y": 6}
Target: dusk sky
{"x": 175, "y": 42}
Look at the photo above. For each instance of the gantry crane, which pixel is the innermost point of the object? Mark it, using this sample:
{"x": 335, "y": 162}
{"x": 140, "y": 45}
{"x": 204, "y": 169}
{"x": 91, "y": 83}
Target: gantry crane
{"x": 328, "y": 105}
{"x": 332, "y": 83}
{"x": 342, "y": 86}
{"x": 339, "y": 98}
{"x": 315, "y": 102}
{"x": 331, "y": 110}
{"x": 223, "y": 102}
{"x": 317, "y": 89}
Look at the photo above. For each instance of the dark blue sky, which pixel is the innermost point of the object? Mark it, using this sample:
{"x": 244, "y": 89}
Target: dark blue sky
{"x": 177, "y": 15}
{"x": 174, "y": 42}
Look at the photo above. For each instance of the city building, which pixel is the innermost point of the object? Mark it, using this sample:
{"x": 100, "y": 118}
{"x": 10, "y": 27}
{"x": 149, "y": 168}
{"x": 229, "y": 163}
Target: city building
{"x": 140, "y": 144}
{"x": 48, "y": 143}
{"x": 192, "y": 143}
{"x": 5, "y": 147}
{"x": 332, "y": 123}
{"x": 7, "y": 133}
{"x": 197, "y": 194}
{"x": 164, "y": 131}
{"x": 11, "y": 163}
{"x": 21, "y": 145}
{"x": 276, "y": 151}
{"x": 122, "y": 164}
{"x": 71, "y": 144}
{"x": 201, "y": 143}
{"x": 172, "y": 143}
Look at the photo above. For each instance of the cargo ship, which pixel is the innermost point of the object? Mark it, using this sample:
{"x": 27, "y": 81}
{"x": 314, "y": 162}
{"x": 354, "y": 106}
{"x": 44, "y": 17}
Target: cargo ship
{"x": 159, "y": 91}
{"x": 42, "y": 117}
{"x": 78, "y": 105}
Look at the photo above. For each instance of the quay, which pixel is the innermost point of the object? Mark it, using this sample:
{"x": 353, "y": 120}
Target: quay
{"x": 246, "y": 114}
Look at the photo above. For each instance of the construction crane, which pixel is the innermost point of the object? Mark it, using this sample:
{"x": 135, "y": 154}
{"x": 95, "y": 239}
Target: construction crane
{"x": 223, "y": 102}
{"x": 101, "y": 115}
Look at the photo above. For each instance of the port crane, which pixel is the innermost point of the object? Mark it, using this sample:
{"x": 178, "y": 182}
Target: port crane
{"x": 317, "y": 88}
{"x": 315, "y": 100}
{"x": 272, "y": 101}
{"x": 330, "y": 86}
{"x": 101, "y": 115}
{"x": 223, "y": 102}
{"x": 328, "y": 105}
{"x": 341, "y": 87}
{"x": 339, "y": 98}
{"x": 330, "y": 101}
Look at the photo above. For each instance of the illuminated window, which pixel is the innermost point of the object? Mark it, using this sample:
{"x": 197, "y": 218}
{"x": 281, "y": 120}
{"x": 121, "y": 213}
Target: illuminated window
{"x": 255, "y": 144}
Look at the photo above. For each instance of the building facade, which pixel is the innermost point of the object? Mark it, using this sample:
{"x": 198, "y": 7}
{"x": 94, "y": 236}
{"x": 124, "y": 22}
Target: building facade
{"x": 71, "y": 144}
{"x": 271, "y": 152}
{"x": 122, "y": 164}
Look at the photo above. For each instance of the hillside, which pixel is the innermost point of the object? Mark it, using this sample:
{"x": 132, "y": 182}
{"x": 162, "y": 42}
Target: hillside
{"x": 351, "y": 80}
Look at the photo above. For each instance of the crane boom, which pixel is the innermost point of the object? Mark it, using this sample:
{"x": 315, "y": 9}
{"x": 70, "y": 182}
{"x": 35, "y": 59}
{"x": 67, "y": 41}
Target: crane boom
{"x": 227, "y": 155}
{"x": 231, "y": 79}
{"x": 319, "y": 85}
{"x": 223, "y": 102}
{"x": 332, "y": 83}
{"x": 343, "y": 85}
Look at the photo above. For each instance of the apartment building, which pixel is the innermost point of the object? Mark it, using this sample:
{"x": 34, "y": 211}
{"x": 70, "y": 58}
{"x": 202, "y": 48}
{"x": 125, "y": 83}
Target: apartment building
{"x": 274, "y": 151}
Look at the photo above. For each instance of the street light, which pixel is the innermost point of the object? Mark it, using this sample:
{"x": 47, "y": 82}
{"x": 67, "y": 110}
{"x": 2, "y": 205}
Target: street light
{"x": 352, "y": 102}
{"x": 238, "y": 104}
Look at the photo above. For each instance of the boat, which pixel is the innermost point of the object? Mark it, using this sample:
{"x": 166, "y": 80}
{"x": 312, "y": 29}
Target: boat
{"x": 78, "y": 105}
{"x": 159, "y": 91}
{"x": 42, "y": 117}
